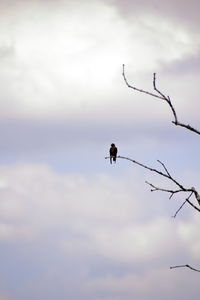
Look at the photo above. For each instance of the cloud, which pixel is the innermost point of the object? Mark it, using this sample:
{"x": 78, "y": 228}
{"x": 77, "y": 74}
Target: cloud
{"x": 100, "y": 225}
{"x": 67, "y": 62}
{"x": 71, "y": 225}
{"x": 189, "y": 235}
{"x": 2, "y": 297}
{"x": 130, "y": 244}
{"x": 62, "y": 87}
{"x": 166, "y": 10}
{"x": 35, "y": 189}
{"x": 10, "y": 233}
{"x": 155, "y": 284}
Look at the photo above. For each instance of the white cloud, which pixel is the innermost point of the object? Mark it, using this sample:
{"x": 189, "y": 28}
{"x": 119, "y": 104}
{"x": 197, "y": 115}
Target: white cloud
{"x": 104, "y": 210}
{"x": 137, "y": 243}
{"x": 11, "y": 233}
{"x": 91, "y": 219}
{"x": 157, "y": 283}
{"x": 105, "y": 232}
{"x": 68, "y": 60}
{"x": 189, "y": 234}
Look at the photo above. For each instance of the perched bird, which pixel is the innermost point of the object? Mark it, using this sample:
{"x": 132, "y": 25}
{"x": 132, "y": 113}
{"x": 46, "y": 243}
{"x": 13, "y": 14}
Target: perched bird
{"x": 113, "y": 153}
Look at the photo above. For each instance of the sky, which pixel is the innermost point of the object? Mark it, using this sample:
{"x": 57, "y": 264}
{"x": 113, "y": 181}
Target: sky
{"x": 72, "y": 226}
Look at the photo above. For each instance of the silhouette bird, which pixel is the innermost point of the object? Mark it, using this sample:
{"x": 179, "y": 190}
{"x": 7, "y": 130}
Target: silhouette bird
{"x": 113, "y": 153}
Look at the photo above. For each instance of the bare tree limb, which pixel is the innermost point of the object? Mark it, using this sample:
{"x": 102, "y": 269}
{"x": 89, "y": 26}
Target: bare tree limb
{"x": 192, "y": 191}
{"x": 155, "y": 188}
{"x": 167, "y": 175}
{"x": 163, "y": 97}
{"x": 185, "y": 266}
{"x": 137, "y": 89}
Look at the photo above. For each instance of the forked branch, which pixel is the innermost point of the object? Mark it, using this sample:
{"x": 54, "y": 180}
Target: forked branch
{"x": 161, "y": 96}
{"x": 166, "y": 174}
{"x": 179, "y": 188}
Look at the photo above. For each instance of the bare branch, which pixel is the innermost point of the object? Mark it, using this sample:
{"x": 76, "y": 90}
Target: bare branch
{"x": 169, "y": 177}
{"x": 185, "y": 266}
{"x": 174, "y": 216}
{"x": 166, "y": 98}
{"x": 139, "y": 90}
{"x": 187, "y": 126}
{"x": 186, "y": 200}
{"x": 163, "y": 97}
{"x": 194, "y": 206}
{"x": 166, "y": 173}
{"x": 142, "y": 165}
{"x": 172, "y": 192}
{"x": 164, "y": 167}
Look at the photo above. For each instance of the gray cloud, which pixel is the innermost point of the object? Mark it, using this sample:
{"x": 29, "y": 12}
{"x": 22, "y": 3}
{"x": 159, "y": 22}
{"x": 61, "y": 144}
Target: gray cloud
{"x": 71, "y": 225}
{"x": 183, "y": 67}
{"x": 69, "y": 231}
{"x": 183, "y": 13}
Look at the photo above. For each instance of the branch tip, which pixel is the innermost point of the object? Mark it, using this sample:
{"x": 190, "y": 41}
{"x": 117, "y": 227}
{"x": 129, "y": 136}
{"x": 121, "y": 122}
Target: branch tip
{"x": 162, "y": 96}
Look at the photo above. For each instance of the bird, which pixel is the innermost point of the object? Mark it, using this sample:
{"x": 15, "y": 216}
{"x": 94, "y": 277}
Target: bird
{"x": 113, "y": 153}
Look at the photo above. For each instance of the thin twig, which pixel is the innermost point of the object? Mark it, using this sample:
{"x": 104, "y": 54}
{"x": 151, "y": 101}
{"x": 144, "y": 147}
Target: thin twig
{"x": 174, "y": 216}
{"x": 172, "y": 192}
{"x": 185, "y": 266}
{"x": 164, "y": 167}
{"x": 186, "y": 200}
{"x": 170, "y": 177}
{"x": 166, "y": 98}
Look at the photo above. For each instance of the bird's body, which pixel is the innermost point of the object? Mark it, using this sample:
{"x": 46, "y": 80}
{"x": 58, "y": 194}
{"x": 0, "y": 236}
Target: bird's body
{"x": 113, "y": 153}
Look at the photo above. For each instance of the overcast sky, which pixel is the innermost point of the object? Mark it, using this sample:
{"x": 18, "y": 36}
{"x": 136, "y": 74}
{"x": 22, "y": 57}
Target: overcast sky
{"x": 72, "y": 226}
